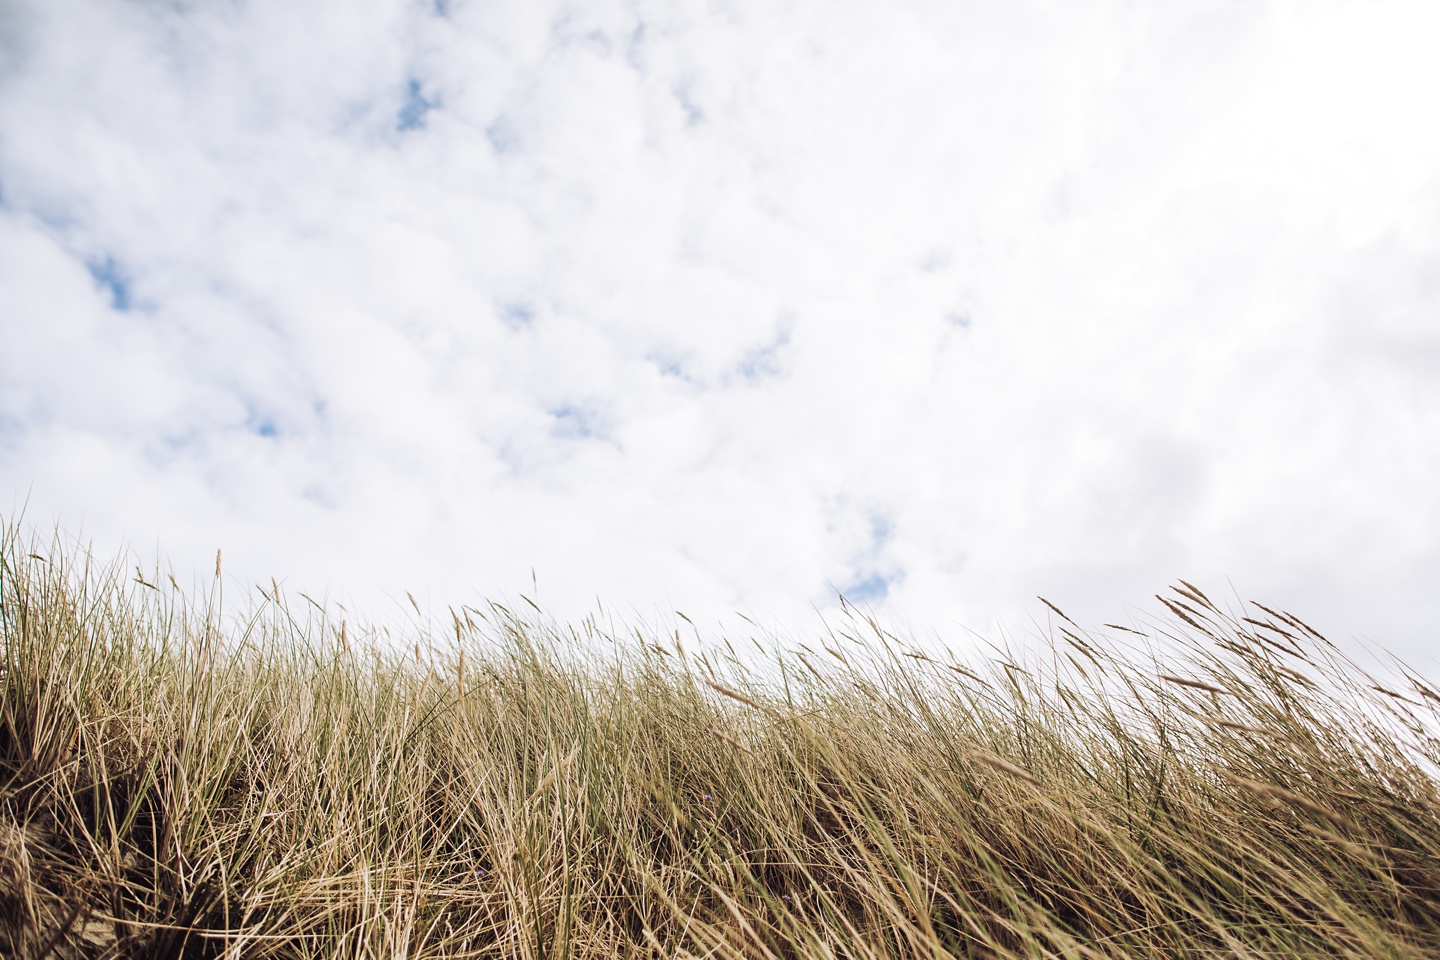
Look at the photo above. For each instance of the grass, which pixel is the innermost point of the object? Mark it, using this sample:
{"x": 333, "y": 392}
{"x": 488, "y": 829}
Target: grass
{"x": 173, "y": 784}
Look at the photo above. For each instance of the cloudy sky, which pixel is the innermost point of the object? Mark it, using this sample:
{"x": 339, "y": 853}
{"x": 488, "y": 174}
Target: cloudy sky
{"x": 723, "y": 306}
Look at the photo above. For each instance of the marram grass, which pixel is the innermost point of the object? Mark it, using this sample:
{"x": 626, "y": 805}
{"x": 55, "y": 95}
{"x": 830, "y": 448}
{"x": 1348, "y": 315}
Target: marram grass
{"x": 173, "y": 786}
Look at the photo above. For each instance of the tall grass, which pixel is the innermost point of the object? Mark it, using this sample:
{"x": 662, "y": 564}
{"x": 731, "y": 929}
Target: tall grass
{"x": 283, "y": 786}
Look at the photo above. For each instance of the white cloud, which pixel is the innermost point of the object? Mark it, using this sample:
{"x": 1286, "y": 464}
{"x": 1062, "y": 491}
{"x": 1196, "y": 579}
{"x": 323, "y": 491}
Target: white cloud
{"x": 707, "y": 306}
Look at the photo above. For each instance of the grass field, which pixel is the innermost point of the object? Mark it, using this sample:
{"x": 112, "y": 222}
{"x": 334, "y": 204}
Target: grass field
{"x": 177, "y": 784}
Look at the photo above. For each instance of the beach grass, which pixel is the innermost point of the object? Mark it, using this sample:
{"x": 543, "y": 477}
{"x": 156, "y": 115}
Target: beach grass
{"x": 178, "y": 782}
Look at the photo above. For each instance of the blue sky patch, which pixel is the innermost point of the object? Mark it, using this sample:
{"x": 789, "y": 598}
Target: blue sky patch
{"x": 109, "y": 276}
{"x": 671, "y": 366}
{"x": 872, "y": 589}
{"x": 414, "y": 109}
{"x": 517, "y": 315}
{"x": 768, "y": 360}
{"x": 260, "y": 424}
{"x": 573, "y": 423}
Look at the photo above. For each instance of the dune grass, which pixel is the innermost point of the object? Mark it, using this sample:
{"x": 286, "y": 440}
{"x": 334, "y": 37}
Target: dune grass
{"x": 177, "y": 785}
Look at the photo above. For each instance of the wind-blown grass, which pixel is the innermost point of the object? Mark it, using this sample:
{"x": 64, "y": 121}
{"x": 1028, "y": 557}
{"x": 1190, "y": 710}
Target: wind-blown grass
{"x": 172, "y": 787}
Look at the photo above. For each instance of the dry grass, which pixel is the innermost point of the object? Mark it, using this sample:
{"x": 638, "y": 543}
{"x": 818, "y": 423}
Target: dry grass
{"x": 284, "y": 788}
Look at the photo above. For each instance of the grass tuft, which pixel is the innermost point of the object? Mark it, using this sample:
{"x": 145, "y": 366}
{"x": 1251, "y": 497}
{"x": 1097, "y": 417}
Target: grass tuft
{"x": 291, "y": 786}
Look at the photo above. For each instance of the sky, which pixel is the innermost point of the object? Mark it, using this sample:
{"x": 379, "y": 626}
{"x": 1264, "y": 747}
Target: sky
{"x": 727, "y": 307}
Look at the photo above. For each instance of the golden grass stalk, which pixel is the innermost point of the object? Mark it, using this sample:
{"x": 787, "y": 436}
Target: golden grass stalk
{"x": 1005, "y": 766}
{"x": 1194, "y": 684}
